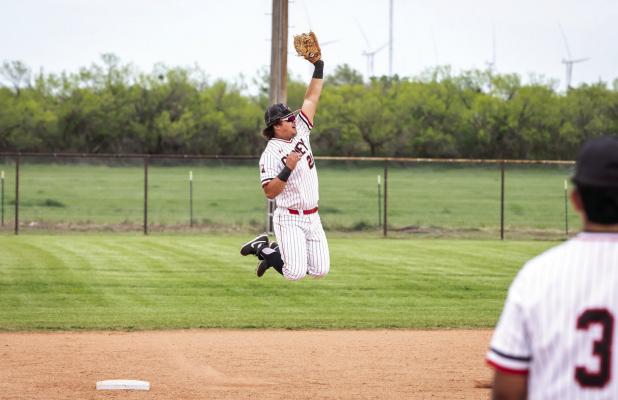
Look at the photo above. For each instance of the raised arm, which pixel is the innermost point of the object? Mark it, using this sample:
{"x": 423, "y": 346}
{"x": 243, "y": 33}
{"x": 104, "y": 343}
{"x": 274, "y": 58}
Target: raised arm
{"x": 314, "y": 90}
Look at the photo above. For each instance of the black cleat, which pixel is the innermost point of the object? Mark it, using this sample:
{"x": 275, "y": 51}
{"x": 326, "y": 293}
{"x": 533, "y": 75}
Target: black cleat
{"x": 263, "y": 265}
{"x": 252, "y": 246}
{"x": 261, "y": 268}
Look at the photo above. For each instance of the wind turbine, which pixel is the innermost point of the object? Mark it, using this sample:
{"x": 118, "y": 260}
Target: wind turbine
{"x": 370, "y": 54}
{"x": 570, "y": 61}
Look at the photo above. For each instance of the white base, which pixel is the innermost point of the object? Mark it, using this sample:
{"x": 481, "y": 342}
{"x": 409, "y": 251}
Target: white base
{"x": 126, "y": 384}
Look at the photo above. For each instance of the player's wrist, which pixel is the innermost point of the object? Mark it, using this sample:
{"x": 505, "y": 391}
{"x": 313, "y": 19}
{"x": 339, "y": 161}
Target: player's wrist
{"x": 318, "y": 72}
{"x": 284, "y": 174}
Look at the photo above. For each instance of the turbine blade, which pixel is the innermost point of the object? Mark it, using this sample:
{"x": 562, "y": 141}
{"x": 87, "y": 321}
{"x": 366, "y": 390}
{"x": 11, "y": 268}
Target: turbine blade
{"x": 329, "y": 42}
{"x": 363, "y": 33}
{"x": 566, "y": 43}
{"x": 380, "y": 48}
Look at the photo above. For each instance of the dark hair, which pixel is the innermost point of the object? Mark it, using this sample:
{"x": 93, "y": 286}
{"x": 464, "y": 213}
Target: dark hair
{"x": 269, "y": 131}
{"x": 600, "y": 203}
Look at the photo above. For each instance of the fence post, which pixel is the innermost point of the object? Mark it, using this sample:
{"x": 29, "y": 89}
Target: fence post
{"x": 502, "y": 200}
{"x": 379, "y": 203}
{"x": 2, "y": 195}
{"x": 191, "y": 199}
{"x": 17, "y": 195}
{"x": 146, "y": 195}
{"x": 271, "y": 206}
{"x": 385, "y": 197}
{"x": 566, "y": 209}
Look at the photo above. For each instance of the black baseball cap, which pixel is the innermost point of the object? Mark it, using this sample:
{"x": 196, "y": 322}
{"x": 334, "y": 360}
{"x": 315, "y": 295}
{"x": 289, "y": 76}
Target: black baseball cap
{"x": 597, "y": 163}
{"x": 276, "y": 112}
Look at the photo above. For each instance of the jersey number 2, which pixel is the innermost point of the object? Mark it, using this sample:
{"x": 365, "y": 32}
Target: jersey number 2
{"x": 601, "y": 348}
{"x": 310, "y": 160}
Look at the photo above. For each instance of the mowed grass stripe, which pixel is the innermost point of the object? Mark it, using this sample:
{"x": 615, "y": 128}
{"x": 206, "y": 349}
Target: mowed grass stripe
{"x": 135, "y": 282}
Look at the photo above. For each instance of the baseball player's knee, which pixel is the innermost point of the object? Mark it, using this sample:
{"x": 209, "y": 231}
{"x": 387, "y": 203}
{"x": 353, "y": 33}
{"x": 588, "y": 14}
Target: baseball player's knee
{"x": 293, "y": 274}
{"x": 320, "y": 271}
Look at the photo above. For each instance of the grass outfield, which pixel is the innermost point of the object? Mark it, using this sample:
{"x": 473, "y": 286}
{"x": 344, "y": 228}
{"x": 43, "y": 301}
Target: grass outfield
{"x": 160, "y": 282}
{"x": 226, "y": 195}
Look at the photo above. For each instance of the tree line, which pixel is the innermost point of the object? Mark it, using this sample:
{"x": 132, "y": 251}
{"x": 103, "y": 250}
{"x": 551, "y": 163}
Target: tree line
{"x": 112, "y": 108}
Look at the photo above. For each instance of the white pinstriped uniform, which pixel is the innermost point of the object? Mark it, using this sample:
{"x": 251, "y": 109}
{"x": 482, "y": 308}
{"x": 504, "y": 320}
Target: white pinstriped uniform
{"x": 558, "y": 322}
{"x": 301, "y": 238}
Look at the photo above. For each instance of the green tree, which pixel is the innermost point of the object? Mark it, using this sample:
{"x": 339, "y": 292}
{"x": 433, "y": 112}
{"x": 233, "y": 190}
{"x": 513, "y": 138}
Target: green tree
{"x": 17, "y": 74}
{"x": 344, "y": 75}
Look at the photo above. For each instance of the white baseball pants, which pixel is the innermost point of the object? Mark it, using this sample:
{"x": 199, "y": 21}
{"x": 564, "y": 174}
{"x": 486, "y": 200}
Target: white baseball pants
{"x": 302, "y": 243}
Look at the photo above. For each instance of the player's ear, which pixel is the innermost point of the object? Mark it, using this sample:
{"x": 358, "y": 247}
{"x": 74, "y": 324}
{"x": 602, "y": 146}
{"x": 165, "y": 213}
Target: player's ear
{"x": 576, "y": 200}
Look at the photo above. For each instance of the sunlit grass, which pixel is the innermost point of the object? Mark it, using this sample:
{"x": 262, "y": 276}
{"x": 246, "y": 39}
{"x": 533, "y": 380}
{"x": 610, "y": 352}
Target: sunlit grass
{"x": 136, "y": 282}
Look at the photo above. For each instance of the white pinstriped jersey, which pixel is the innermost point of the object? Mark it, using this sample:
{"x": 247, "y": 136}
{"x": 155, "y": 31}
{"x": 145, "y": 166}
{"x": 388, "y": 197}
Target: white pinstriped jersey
{"x": 301, "y": 190}
{"x": 558, "y": 322}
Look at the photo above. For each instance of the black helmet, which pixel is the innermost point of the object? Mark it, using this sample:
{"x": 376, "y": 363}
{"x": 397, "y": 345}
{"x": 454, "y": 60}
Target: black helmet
{"x": 276, "y": 112}
{"x": 597, "y": 163}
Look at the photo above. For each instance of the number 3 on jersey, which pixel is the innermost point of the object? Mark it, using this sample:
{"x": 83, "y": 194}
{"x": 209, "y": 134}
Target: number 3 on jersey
{"x": 601, "y": 348}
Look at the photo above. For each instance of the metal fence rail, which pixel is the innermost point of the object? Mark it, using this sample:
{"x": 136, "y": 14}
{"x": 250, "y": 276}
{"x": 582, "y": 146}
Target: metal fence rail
{"x": 473, "y": 198}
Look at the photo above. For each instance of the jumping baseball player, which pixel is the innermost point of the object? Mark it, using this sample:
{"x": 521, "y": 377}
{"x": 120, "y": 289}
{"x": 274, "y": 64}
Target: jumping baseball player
{"x": 289, "y": 175}
{"x": 555, "y": 337}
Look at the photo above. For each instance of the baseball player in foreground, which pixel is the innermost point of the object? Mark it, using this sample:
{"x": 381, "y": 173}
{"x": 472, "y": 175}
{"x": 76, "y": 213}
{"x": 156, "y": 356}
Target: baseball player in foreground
{"x": 555, "y": 337}
{"x": 289, "y": 175}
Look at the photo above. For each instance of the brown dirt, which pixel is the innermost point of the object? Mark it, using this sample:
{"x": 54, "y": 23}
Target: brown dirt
{"x": 247, "y": 364}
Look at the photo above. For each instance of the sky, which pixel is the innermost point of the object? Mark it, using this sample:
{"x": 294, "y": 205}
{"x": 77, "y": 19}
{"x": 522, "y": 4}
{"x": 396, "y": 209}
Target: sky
{"x": 230, "y": 39}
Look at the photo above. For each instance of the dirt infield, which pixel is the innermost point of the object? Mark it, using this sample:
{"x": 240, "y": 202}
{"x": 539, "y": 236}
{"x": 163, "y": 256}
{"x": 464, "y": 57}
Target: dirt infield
{"x": 247, "y": 364}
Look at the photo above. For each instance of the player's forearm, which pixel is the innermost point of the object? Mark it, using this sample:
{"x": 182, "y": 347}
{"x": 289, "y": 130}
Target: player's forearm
{"x": 314, "y": 90}
{"x": 312, "y": 98}
{"x": 509, "y": 386}
{"x": 273, "y": 188}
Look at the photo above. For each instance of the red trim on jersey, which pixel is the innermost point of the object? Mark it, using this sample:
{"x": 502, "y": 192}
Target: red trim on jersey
{"x": 306, "y": 119}
{"x": 507, "y": 370}
{"x": 282, "y": 140}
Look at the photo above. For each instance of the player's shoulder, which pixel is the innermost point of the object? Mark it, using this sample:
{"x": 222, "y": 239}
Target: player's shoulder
{"x": 536, "y": 276}
{"x": 548, "y": 265}
{"x": 572, "y": 253}
{"x": 274, "y": 148}
{"x": 304, "y": 124}
{"x": 271, "y": 145}
{"x": 267, "y": 151}
{"x": 555, "y": 255}
{"x": 305, "y": 119}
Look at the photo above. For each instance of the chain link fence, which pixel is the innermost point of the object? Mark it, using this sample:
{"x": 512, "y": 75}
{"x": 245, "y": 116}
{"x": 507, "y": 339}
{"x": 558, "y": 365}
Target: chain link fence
{"x": 394, "y": 197}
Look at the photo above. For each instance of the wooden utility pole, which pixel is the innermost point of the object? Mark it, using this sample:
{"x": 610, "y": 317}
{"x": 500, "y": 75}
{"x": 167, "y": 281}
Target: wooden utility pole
{"x": 279, "y": 53}
{"x": 390, "y": 39}
{"x": 278, "y": 73}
